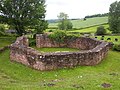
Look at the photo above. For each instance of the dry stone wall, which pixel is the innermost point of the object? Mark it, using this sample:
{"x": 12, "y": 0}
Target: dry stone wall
{"x": 93, "y": 52}
{"x": 83, "y": 43}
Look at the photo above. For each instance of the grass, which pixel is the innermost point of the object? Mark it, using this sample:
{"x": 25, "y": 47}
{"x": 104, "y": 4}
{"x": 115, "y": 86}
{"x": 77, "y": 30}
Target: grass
{"x": 112, "y": 39}
{"x": 90, "y": 29}
{"x": 56, "y": 49}
{"x": 87, "y": 23}
{"x": 14, "y": 76}
{"x": 4, "y": 41}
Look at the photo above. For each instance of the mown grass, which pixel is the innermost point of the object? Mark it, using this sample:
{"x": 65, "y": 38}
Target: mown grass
{"x": 56, "y": 49}
{"x": 4, "y": 41}
{"x": 91, "y": 29}
{"x": 14, "y": 76}
{"x": 85, "y": 23}
{"x": 111, "y": 37}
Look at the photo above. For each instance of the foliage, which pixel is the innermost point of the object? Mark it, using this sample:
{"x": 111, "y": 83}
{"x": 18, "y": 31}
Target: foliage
{"x": 114, "y": 17}
{"x": 64, "y": 23}
{"x": 116, "y": 47}
{"x": 32, "y": 42}
{"x": 58, "y": 36}
{"x": 72, "y": 36}
{"x": 2, "y": 33}
{"x": 50, "y": 30}
{"x": 2, "y": 28}
{"x": 23, "y": 13}
{"x": 97, "y": 15}
{"x": 101, "y": 30}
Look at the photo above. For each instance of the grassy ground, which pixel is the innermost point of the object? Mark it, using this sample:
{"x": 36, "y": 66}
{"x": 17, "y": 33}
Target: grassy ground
{"x": 56, "y": 49}
{"x": 112, "y": 39}
{"x": 14, "y": 76}
{"x": 4, "y": 41}
{"x": 87, "y": 23}
{"x": 90, "y": 29}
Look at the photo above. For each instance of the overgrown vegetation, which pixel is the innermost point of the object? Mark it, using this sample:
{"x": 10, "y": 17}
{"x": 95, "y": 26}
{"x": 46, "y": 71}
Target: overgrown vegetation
{"x": 101, "y": 30}
{"x": 114, "y": 17}
{"x": 61, "y": 36}
{"x": 58, "y": 36}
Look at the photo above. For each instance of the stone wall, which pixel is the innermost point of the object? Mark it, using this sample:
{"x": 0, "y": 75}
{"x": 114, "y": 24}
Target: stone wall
{"x": 79, "y": 43}
{"x": 20, "y": 52}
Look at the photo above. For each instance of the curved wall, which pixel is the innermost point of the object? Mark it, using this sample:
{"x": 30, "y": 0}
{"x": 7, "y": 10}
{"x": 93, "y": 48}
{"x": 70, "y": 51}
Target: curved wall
{"x": 93, "y": 53}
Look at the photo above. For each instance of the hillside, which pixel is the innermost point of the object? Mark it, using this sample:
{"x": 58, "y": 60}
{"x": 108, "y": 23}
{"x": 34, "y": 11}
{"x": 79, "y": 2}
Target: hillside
{"x": 85, "y": 23}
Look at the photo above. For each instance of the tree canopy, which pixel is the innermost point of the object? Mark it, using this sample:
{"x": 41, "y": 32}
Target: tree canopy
{"x": 23, "y": 13}
{"x": 64, "y": 22}
{"x": 114, "y": 17}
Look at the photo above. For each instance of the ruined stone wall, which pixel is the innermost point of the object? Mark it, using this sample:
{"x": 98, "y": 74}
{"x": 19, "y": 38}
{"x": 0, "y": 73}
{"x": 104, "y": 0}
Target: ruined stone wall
{"x": 50, "y": 61}
{"x": 79, "y": 43}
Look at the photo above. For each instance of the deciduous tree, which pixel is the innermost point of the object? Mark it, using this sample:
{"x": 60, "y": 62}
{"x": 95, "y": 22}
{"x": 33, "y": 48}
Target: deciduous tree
{"x": 23, "y": 13}
{"x": 114, "y": 17}
{"x": 64, "y": 23}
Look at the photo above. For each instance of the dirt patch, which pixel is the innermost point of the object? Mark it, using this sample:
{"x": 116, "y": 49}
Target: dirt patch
{"x": 77, "y": 86}
{"x": 106, "y": 85}
{"x": 113, "y": 74}
{"x": 49, "y": 84}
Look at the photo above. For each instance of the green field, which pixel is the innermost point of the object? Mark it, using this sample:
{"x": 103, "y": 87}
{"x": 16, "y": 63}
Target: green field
{"x": 87, "y": 23}
{"x": 14, "y": 76}
{"x": 90, "y": 29}
{"x": 112, "y": 39}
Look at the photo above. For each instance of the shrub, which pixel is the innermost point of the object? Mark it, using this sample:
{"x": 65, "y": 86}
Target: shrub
{"x": 101, "y": 30}
{"x": 50, "y": 31}
{"x": 71, "y": 36}
{"x": 2, "y": 33}
{"x": 116, "y": 47}
{"x": 32, "y": 42}
{"x": 58, "y": 36}
{"x": 2, "y": 28}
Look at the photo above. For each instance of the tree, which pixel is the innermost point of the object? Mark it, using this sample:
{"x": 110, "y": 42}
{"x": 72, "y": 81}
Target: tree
{"x": 114, "y": 17}
{"x": 101, "y": 30}
{"x": 23, "y": 13}
{"x": 64, "y": 23}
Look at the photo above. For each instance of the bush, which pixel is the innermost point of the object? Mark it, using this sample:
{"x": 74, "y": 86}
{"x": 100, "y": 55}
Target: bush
{"x": 50, "y": 31}
{"x": 2, "y": 28}
{"x": 58, "y": 36}
{"x": 65, "y": 25}
{"x": 2, "y": 33}
{"x": 101, "y": 30}
{"x": 32, "y": 42}
{"x": 72, "y": 36}
{"x": 116, "y": 47}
